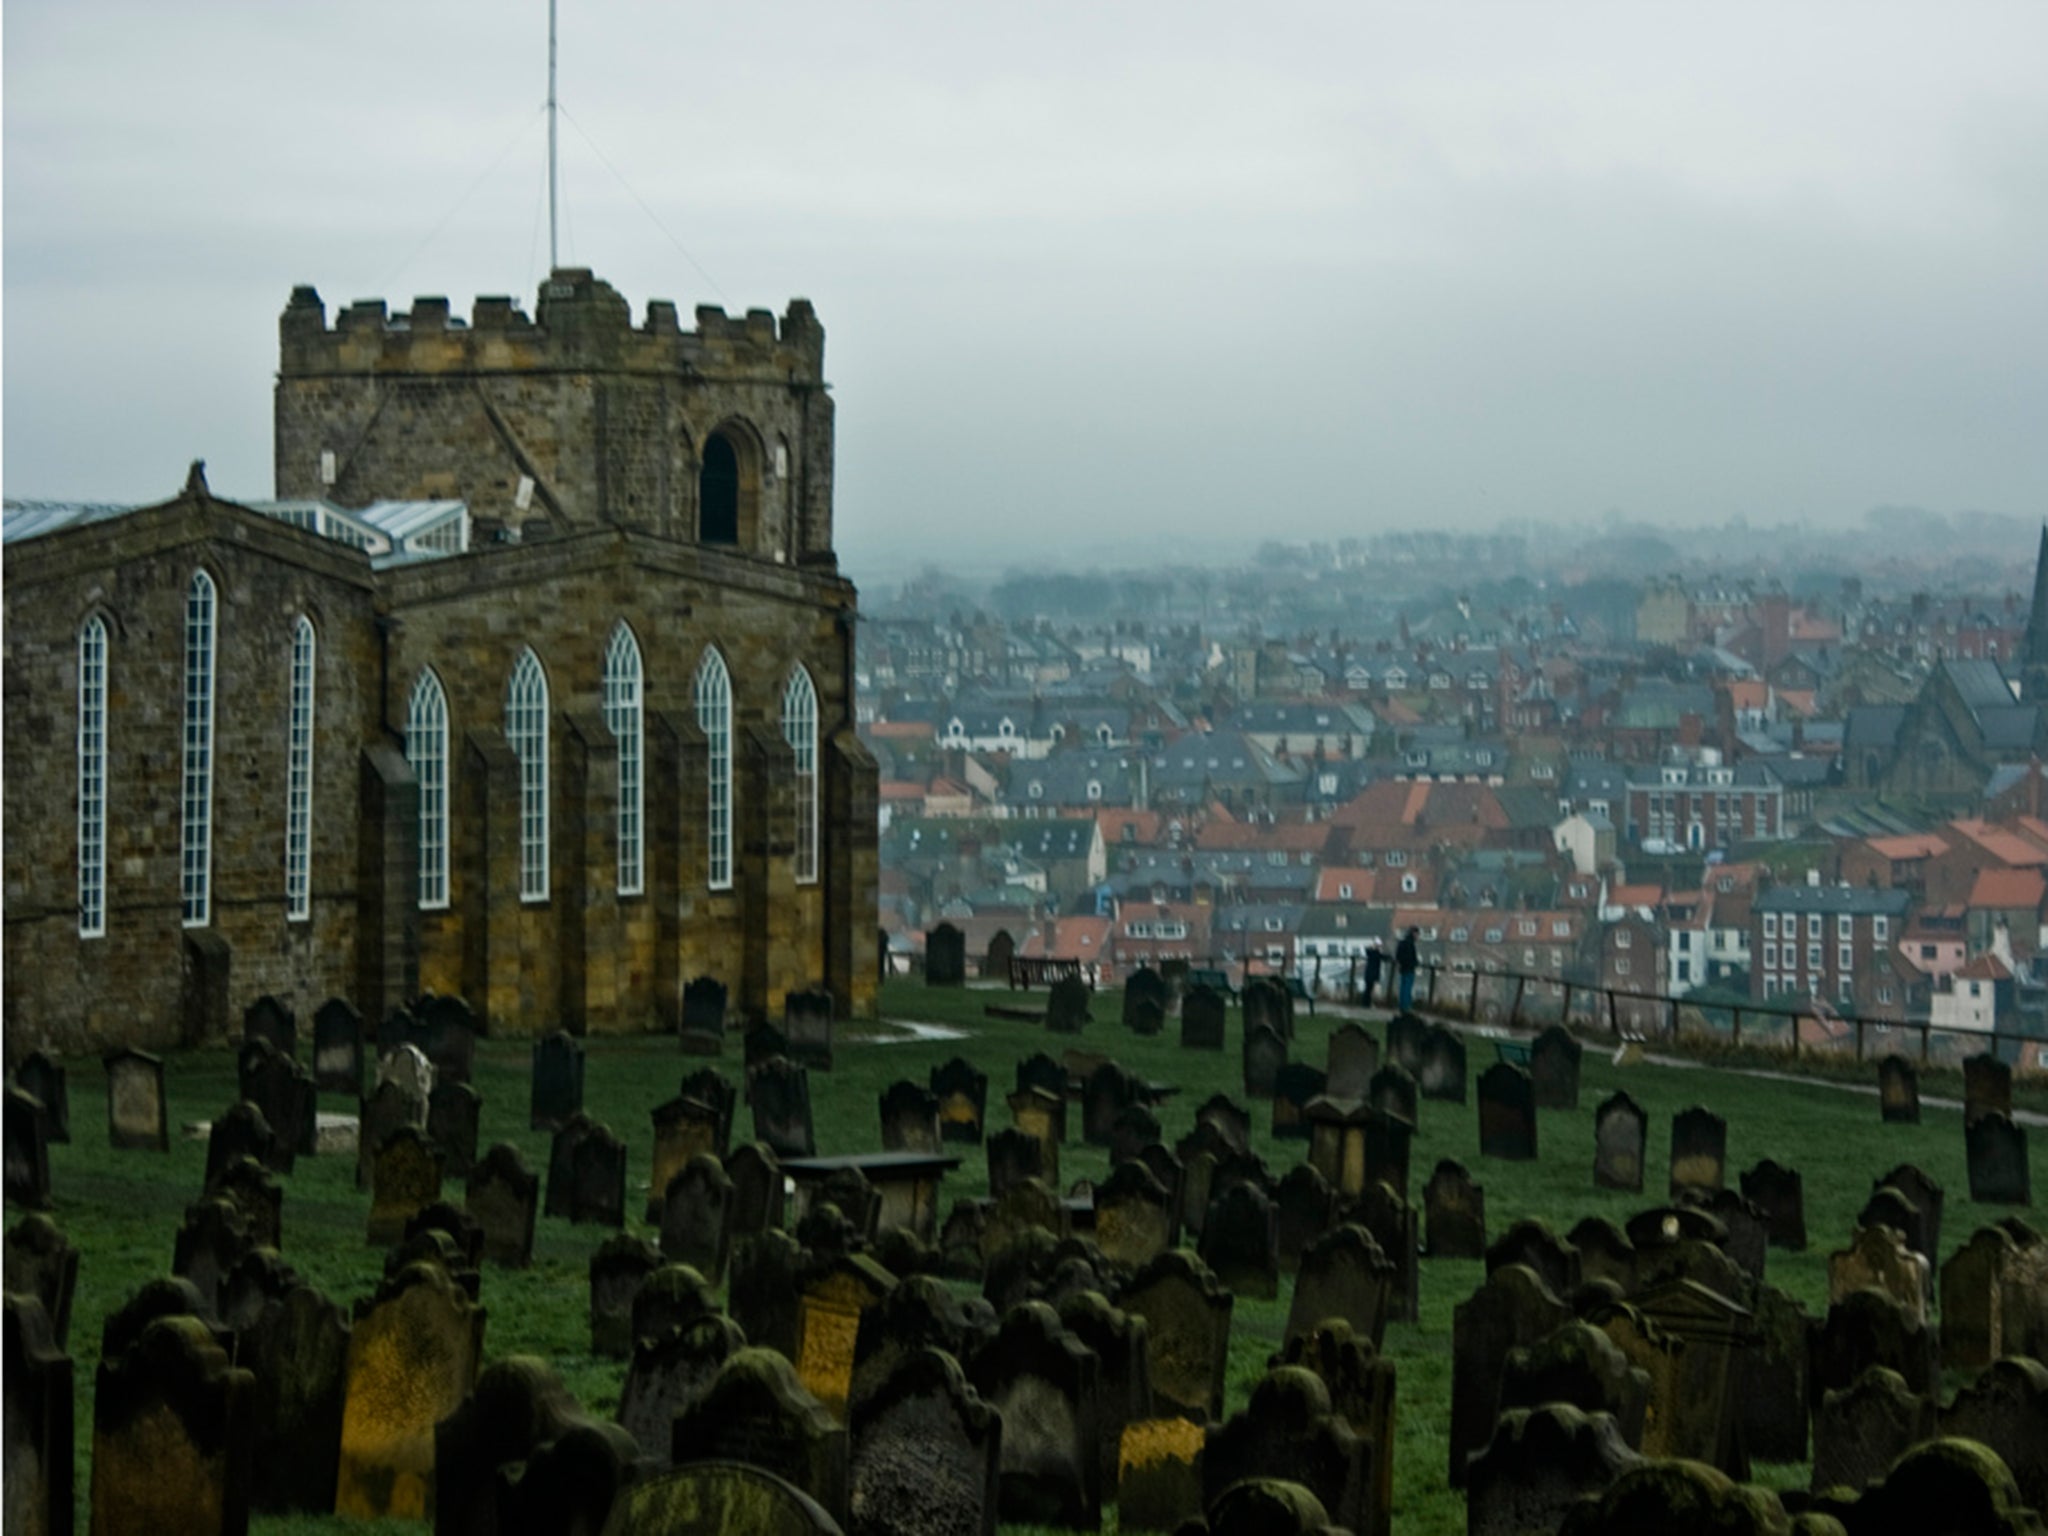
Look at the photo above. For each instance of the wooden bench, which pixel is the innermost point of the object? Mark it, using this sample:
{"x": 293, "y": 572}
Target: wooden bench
{"x": 1514, "y": 1052}
{"x": 1299, "y": 991}
{"x": 1217, "y": 981}
{"x": 1027, "y": 971}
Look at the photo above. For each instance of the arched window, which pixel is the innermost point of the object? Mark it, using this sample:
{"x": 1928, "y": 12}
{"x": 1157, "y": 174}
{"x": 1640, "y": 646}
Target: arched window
{"x": 196, "y": 790}
{"x": 526, "y": 730}
{"x": 714, "y": 719}
{"x": 426, "y": 749}
{"x": 800, "y": 730}
{"x": 622, "y": 712}
{"x": 718, "y": 493}
{"x": 92, "y": 778}
{"x": 298, "y": 778}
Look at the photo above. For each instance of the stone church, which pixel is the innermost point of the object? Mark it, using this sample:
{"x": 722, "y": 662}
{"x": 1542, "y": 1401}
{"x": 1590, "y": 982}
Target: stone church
{"x": 534, "y": 685}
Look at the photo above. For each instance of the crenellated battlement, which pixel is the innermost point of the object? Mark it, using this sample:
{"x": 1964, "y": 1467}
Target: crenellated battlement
{"x": 580, "y": 324}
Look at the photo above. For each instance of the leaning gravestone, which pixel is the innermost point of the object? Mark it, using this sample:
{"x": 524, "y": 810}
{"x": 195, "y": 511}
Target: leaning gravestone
{"x": 807, "y": 1023}
{"x": 170, "y": 1440}
{"x": 27, "y": 1150}
{"x": 927, "y": 1454}
{"x": 1507, "y": 1114}
{"x": 1187, "y": 1323}
{"x": 412, "y": 1358}
{"x": 40, "y": 1076}
{"x": 1987, "y": 1088}
{"x": 757, "y": 1192}
{"x": 702, "y": 1031}
{"x": 670, "y": 1375}
{"x": 781, "y": 1093}
{"x": 136, "y": 1118}
{"x": 945, "y": 957}
{"x": 1066, "y": 1006}
{"x": 1699, "y": 1149}
{"x": 1159, "y": 1474}
{"x": 1997, "y": 1149}
{"x": 1440, "y": 1073}
{"x": 1202, "y": 1020}
{"x": 1454, "y": 1208}
{"x": 1354, "y": 1057}
{"x": 504, "y": 1197}
{"x": 1045, "y": 1383}
{"x": 756, "y": 1411}
{"x": 962, "y": 1092}
{"x": 2006, "y": 1408}
{"x": 1554, "y": 1065}
{"x": 338, "y": 1048}
{"x": 1898, "y": 1091}
{"x": 556, "y": 1090}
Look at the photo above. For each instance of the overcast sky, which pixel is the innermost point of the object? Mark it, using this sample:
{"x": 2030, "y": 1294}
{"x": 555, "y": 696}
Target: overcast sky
{"x": 1098, "y": 279}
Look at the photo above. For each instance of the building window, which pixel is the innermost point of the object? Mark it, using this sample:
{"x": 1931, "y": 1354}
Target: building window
{"x": 298, "y": 777}
{"x": 1845, "y": 960}
{"x": 800, "y": 730}
{"x": 1813, "y": 957}
{"x": 1623, "y": 938}
{"x": 92, "y": 778}
{"x": 196, "y": 795}
{"x": 714, "y": 719}
{"x": 1845, "y": 926}
{"x": 1770, "y": 954}
{"x": 623, "y": 713}
{"x": 1770, "y": 925}
{"x": 718, "y": 493}
{"x": 1408, "y": 885}
{"x": 526, "y": 730}
{"x": 1621, "y": 966}
{"x": 1880, "y": 931}
{"x": 426, "y": 750}
{"x": 1813, "y": 925}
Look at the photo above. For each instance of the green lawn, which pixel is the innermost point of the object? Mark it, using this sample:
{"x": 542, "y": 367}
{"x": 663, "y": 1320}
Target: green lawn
{"x": 122, "y": 1209}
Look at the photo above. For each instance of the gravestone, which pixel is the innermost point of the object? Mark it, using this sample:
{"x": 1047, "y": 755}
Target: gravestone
{"x": 1293, "y": 1086}
{"x": 399, "y": 1028}
{"x": 1267, "y": 1506}
{"x": 338, "y": 1049}
{"x": 2006, "y": 1408}
{"x": 1866, "y": 1328}
{"x": 1045, "y": 1383}
{"x": 763, "y": 1042}
{"x": 618, "y": 1269}
{"x": 1699, "y": 1149}
{"x": 962, "y": 1091}
{"x": 1539, "y": 1463}
{"x": 562, "y": 1162}
{"x": 1926, "y": 1197}
{"x": 1240, "y": 1241}
{"x": 170, "y": 1435}
{"x": 1440, "y": 1071}
{"x": 702, "y": 1028}
{"x": 995, "y": 966}
{"x": 684, "y": 1127}
{"x": 449, "y": 1031}
{"x": 1987, "y": 1088}
{"x": 1511, "y": 1310}
{"x": 757, "y": 1190}
{"x": 136, "y": 1118}
{"x": 670, "y": 1375}
{"x": 718, "y": 1496}
{"x": 1288, "y": 1433}
{"x": 781, "y": 1095}
{"x": 1454, "y": 1210}
{"x": 1159, "y": 1474}
{"x": 1066, "y": 1006}
{"x": 910, "y": 1118}
{"x": 696, "y": 1213}
{"x": 1878, "y": 1256}
{"x": 1577, "y": 1364}
{"x": 520, "y": 1454}
{"x": 1606, "y": 1256}
{"x": 1303, "y": 1206}
{"x": 242, "y": 1131}
{"x": 504, "y": 1197}
{"x": 1041, "y": 1115}
{"x": 1144, "y": 1003}
{"x": 1774, "y": 1406}
{"x": 597, "y": 1179}
{"x": 1507, "y": 1114}
{"x": 1747, "y": 1224}
{"x": 1406, "y": 1033}
{"x": 1531, "y": 1242}
{"x": 210, "y": 1241}
{"x": 26, "y": 1150}
{"x": 1344, "y": 1274}
{"x": 405, "y": 1177}
{"x": 1265, "y": 1053}
{"x": 36, "y": 1496}
{"x": 830, "y": 1303}
{"x": 920, "y": 1313}
{"x": 1202, "y": 1020}
{"x": 756, "y": 1411}
{"x": 1134, "y": 1217}
{"x": 42, "y": 1078}
{"x": 945, "y": 957}
{"x": 1898, "y": 1091}
{"x": 1353, "y": 1058}
{"x": 391, "y": 1106}
{"x": 1267, "y": 1004}
{"x": 271, "y": 1021}
{"x": 1397, "y": 1227}
{"x": 1026, "y": 1208}
{"x": 1705, "y": 1338}
{"x": 1997, "y": 1149}
{"x": 1393, "y": 1092}
{"x": 1361, "y": 1383}
{"x": 1013, "y": 1157}
{"x": 1187, "y": 1325}
{"x": 557, "y": 1086}
{"x": 807, "y": 1024}
{"x": 295, "y": 1348}
{"x": 287, "y": 1095}
{"x": 40, "y": 1263}
{"x": 453, "y": 1111}
{"x": 1232, "y": 1122}
{"x": 1554, "y": 1066}
{"x": 670, "y": 1300}
{"x": 927, "y": 1454}
{"x": 1108, "y": 1091}
{"x": 1863, "y": 1428}
{"x": 709, "y": 1086}
{"x": 1123, "y": 1368}
{"x": 1780, "y": 1193}
{"x": 1620, "y": 1129}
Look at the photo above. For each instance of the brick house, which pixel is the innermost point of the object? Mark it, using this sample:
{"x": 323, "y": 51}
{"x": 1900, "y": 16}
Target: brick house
{"x": 1827, "y": 941}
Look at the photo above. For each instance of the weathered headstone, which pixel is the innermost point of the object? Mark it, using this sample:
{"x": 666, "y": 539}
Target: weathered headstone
{"x": 391, "y": 1106}
{"x": 702, "y": 1026}
{"x": 1396, "y": 1226}
{"x": 1267, "y": 1004}
{"x": 338, "y": 1048}
{"x": 1997, "y": 1147}
{"x": 1002, "y": 948}
{"x": 1187, "y": 1322}
{"x": 1780, "y": 1193}
{"x": 448, "y": 1029}
{"x": 1066, "y": 1006}
{"x": 1898, "y": 1091}
{"x": 618, "y": 1269}
{"x": 36, "y": 1495}
{"x": 684, "y": 1127}
{"x": 910, "y": 1118}
{"x": 271, "y": 1021}
{"x": 781, "y": 1094}
{"x": 718, "y": 1496}
{"x": 1925, "y": 1196}
{"x": 1202, "y": 1020}
{"x": 670, "y": 1374}
{"x": 211, "y": 1240}
{"x": 1393, "y": 1092}
{"x": 763, "y": 1042}
{"x": 927, "y": 1453}
{"x": 807, "y": 1023}
{"x": 1109, "y": 1089}
{"x": 1512, "y": 1309}
{"x": 1361, "y": 1383}
{"x": 136, "y": 1117}
{"x": 696, "y": 1213}
{"x": 1507, "y": 1114}
{"x": 1539, "y": 1463}
{"x": 671, "y": 1299}
{"x": 1046, "y": 1385}
{"x": 1354, "y": 1056}
{"x": 1865, "y": 1328}
{"x": 2006, "y": 1408}
{"x": 1289, "y": 1433}
{"x": 1531, "y": 1242}
{"x": 1554, "y": 1065}
{"x": 405, "y": 1177}
{"x": 1406, "y": 1033}
{"x": 1134, "y": 1217}
{"x": 1042, "y": 1116}
{"x": 1144, "y": 1001}
{"x": 597, "y": 1179}
{"x": 945, "y": 957}
{"x": 1122, "y": 1351}
{"x": 1578, "y": 1364}
{"x": 962, "y": 1091}
{"x": 756, "y": 1411}
{"x": 453, "y": 1112}
{"x": 1606, "y": 1256}
{"x": 503, "y": 1195}
{"x": 296, "y": 1350}
{"x": 42, "y": 1078}
{"x": 1699, "y": 1149}
{"x": 556, "y": 1088}
{"x": 287, "y": 1095}
{"x": 1265, "y": 1052}
{"x": 170, "y": 1441}
{"x": 1440, "y": 1072}
{"x": 1303, "y": 1206}
{"x": 1878, "y": 1256}
{"x": 1774, "y": 1406}
{"x": 1987, "y": 1088}
{"x": 1454, "y": 1212}
{"x": 1293, "y": 1086}
{"x": 26, "y": 1150}
{"x": 1346, "y": 1275}
{"x": 1620, "y": 1129}
{"x": 1704, "y": 1338}
{"x": 757, "y": 1190}
{"x": 1013, "y": 1157}
{"x": 831, "y": 1300}
{"x": 242, "y": 1131}
{"x": 1240, "y": 1241}
{"x": 1159, "y": 1474}
{"x": 40, "y": 1263}
{"x": 1861, "y": 1429}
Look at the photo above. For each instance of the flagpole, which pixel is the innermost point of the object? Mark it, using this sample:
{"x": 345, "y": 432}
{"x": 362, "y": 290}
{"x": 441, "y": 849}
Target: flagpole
{"x": 554, "y": 254}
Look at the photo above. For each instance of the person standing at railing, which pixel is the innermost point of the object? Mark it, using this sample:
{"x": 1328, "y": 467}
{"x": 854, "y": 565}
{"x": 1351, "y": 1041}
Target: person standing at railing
{"x": 1405, "y": 962}
{"x": 1375, "y": 959}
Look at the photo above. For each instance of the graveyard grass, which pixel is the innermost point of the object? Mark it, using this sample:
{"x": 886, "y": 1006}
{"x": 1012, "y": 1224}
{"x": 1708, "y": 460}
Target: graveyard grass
{"x": 121, "y": 1210}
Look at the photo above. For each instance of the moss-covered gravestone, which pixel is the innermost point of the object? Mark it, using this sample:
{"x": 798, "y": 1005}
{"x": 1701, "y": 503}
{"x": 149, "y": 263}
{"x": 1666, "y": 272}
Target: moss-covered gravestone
{"x": 171, "y": 1441}
{"x": 413, "y": 1356}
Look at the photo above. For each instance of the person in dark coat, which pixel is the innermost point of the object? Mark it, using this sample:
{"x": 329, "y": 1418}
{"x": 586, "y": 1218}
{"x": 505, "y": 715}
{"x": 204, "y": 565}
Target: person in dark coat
{"x": 1375, "y": 958}
{"x": 1405, "y": 962}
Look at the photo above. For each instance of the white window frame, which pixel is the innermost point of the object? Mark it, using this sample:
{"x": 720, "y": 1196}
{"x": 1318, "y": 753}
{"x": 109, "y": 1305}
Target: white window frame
{"x": 714, "y": 719}
{"x": 426, "y": 750}
{"x": 298, "y": 773}
{"x": 625, "y": 714}
{"x": 92, "y": 778}
{"x": 195, "y": 842}
{"x": 526, "y": 731}
{"x": 800, "y": 730}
